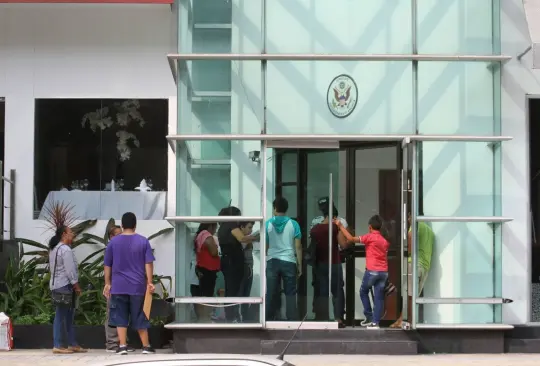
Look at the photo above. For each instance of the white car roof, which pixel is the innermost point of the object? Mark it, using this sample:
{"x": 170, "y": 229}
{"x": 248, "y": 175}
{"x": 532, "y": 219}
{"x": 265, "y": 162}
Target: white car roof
{"x": 193, "y": 360}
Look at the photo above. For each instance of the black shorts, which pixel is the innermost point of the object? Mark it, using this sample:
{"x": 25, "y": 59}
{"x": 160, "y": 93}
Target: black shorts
{"x": 127, "y": 310}
{"x": 207, "y": 281}
{"x": 195, "y": 290}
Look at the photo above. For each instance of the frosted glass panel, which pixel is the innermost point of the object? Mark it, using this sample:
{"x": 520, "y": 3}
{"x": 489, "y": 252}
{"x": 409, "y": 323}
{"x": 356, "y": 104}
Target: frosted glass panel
{"x": 456, "y": 26}
{"x": 210, "y": 190}
{"x": 456, "y": 98}
{"x": 458, "y": 179}
{"x": 335, "y": 26}
{"x": 374, "y": 98}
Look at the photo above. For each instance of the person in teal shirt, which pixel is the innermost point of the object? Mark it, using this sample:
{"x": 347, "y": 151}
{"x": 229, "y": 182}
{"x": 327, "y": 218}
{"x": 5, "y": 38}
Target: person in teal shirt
{"x": 284, "y": 260}
{"x": 425, "y": 240}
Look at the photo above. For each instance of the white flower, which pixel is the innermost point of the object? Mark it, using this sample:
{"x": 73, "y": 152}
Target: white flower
{"x": 124, "y": 113}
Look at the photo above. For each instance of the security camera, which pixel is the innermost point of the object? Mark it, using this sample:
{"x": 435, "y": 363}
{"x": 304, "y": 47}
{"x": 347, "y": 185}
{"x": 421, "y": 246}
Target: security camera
{"x": 255, "y": 156}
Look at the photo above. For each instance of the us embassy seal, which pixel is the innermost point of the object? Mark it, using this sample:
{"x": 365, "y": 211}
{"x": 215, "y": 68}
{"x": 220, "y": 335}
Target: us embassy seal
{"x": 342, "y": 96}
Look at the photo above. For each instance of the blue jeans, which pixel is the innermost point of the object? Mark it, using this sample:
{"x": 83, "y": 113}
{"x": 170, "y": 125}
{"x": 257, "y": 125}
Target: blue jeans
{"x": 377, "y": 280}
{"x": 63, "y": 321}
{"x": 245, "y": 290}
{"x": 338, "y": 294}
{"x": 278, "y": 271}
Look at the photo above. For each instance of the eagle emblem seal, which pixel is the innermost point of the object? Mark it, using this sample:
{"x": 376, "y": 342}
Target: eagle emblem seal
{"x": 342, "y": 96}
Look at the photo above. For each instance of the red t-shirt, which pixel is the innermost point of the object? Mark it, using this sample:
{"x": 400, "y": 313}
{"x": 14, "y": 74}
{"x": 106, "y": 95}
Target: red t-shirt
{"x": 320, "y": 234}
{"x": 204, "y": 258}
{"x": 376, "y": 251}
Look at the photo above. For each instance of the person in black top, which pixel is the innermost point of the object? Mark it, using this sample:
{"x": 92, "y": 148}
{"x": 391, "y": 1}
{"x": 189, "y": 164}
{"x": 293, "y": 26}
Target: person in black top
{"x": 230, "y": 238}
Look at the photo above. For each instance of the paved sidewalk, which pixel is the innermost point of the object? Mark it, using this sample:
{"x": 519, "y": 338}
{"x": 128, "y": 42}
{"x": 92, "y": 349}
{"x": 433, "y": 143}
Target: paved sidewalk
{"x": 95, "y": 357}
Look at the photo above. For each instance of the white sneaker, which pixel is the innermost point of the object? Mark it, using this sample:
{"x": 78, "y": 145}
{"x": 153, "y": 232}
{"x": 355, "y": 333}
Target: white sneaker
{"x": 373, "y": 326}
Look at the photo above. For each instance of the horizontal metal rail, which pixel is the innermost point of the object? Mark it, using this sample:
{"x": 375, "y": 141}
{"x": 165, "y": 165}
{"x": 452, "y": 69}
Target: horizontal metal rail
{"x": 488, "y": 219}
{"x": 211, "y": 162}
{"x": 213, "y": 326}
{"x": 334, "y": 57}
{"x": 201, "y": 219}
{"x": 218, "y": 300}
{"x": 307, "y": 325}
{"x": 465, "y": 326}
{"x": 463, "y": 300}
{"x": 351, "y": 137}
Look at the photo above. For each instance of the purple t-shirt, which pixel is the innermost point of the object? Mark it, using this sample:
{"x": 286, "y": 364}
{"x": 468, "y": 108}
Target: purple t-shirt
{"x": 127, "y": 256}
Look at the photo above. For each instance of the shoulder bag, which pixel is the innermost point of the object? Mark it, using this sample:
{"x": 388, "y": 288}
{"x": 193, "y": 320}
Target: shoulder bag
{"x": 64, "y": 299}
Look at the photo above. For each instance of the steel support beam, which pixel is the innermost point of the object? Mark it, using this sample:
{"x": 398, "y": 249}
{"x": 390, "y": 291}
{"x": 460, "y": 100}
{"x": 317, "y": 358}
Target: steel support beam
{"x": 334, "y": 57}
{"x": 487, "y": 219}
{"x": 352, "y": 137}
{"x": 463, "y": 300}
{"x": 201, "y": 219}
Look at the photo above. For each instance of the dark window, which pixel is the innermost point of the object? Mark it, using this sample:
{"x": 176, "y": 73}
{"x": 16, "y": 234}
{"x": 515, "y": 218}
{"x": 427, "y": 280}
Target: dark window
{"x": 83, "y": 145}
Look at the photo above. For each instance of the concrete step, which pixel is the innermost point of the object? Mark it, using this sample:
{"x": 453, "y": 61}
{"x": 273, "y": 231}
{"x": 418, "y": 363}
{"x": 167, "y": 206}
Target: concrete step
{"x": 349, "y": 334}
{"x": 512, "y": 345}
{"x": 344, "y": 347}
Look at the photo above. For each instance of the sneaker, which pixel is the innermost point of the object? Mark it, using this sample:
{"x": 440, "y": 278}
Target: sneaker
{"x": 373, "y": 326}
{"x": 122, "y": 350}
{"x": 62, "y": 351}
{"x": 148, "y": 350}
{"x": 111, "y": 349}
{"x": 365, "y": 322}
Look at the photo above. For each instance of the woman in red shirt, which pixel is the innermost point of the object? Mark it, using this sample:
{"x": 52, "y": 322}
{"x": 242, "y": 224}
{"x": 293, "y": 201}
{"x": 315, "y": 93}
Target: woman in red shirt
{"x": 208, "y": 264}
{"x": 376, "y": 274}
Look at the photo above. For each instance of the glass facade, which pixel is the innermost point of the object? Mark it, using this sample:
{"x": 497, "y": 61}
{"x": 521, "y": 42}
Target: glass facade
{"x": 451, "y": 184}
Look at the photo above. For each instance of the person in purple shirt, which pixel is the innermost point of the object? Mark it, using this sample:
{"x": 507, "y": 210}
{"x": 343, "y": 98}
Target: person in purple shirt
{"x": 129, "y": 261}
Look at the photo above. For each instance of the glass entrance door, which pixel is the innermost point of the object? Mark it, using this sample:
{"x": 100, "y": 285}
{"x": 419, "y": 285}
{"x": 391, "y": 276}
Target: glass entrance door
{"x": 366, "y": 180}
{"x": 303, "y": 178}
{"x": 373, "y": 187}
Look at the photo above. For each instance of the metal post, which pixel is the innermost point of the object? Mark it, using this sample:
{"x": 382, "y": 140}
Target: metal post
{"x": 330, "y": 218}
{"x": 264, "y": 158}
{"x": 404, "y": 196}
{"x": 414, "y": 236}
{"x": 414, "y": 196}
{"x": 262, "y": 240}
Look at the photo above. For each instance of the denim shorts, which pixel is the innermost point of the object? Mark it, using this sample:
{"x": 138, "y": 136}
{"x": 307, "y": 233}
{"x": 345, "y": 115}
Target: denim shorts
{"x": 127, "y": 310}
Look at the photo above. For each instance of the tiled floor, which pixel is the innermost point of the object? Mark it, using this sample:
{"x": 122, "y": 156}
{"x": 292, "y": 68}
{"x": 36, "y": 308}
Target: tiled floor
{"x": 45, "y": 358}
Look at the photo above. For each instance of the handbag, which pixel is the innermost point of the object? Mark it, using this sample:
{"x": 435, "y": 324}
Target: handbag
{"x": 58, "y": 298}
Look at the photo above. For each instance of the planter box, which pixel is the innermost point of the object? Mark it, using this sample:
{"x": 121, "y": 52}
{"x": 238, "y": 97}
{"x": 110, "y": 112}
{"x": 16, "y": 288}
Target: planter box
{"x": 88, "y": 336}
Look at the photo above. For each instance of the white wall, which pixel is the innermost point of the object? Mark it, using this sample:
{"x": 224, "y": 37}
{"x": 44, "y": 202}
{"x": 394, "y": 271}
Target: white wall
{"x": 81, "y": 51}
{"x": 518, "y": 80}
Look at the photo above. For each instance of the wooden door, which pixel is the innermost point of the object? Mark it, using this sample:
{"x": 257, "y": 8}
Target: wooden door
{"x": 389, "y": 209}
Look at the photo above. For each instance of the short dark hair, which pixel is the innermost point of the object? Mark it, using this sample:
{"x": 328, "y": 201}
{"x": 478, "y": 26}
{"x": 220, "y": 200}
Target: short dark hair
{"x": 280, "y": 204}
{"x": 129, "y": 221}
{"x": 376, "y": 222}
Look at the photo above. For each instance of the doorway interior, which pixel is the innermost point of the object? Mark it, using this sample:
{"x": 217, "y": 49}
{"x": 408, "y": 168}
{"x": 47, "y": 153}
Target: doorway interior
{"x": 534, "y": 186}
{"x": 366, "y": 180}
